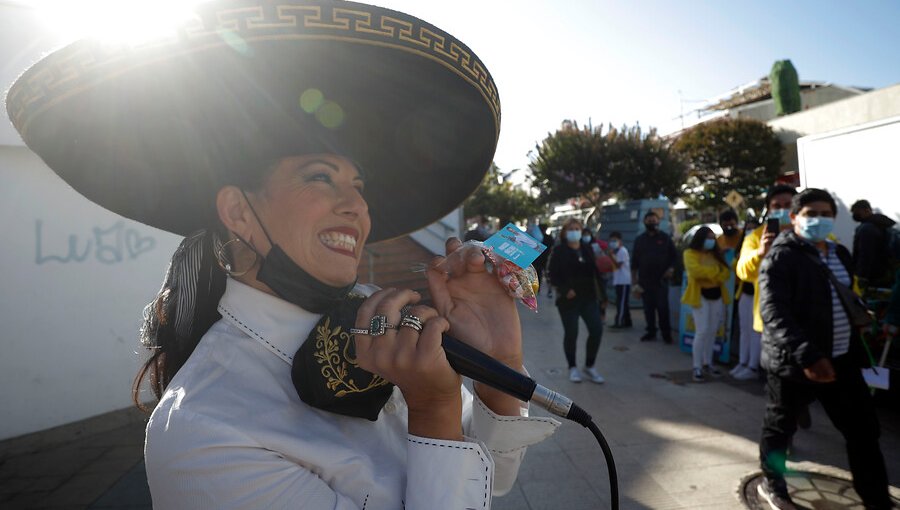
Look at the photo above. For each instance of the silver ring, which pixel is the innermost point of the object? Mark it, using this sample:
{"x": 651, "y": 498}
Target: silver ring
{"x": 412, "y": 322}
{"x": 377, "y": 327}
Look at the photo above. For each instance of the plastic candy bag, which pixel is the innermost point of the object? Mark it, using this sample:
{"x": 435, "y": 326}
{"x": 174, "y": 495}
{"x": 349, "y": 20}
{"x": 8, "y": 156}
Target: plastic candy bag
{"x": 521, "y": 284}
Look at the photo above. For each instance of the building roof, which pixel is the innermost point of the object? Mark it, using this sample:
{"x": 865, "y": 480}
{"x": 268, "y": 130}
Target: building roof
{"x": 760, "y": 90}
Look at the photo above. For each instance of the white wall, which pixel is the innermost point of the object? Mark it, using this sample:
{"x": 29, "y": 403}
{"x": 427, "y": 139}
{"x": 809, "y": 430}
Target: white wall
{"x": 75, "y": 279}
{"x": 861, "y": 162}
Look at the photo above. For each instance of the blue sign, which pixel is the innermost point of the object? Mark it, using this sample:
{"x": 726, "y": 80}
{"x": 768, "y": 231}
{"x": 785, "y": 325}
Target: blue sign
{"x": 515, "y": 245}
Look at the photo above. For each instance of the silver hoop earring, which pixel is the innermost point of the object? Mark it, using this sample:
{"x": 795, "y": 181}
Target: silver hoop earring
{"x": 224, "y": 262}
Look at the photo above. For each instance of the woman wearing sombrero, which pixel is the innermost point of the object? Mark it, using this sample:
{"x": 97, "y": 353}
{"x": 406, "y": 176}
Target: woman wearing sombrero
{"x": 279, "y": 138}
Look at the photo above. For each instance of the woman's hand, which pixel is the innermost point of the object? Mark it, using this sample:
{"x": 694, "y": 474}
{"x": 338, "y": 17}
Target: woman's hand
{"x": 480, "y": 311}
{"x": 414, "y": 361}
{"x": 570, "y": 294}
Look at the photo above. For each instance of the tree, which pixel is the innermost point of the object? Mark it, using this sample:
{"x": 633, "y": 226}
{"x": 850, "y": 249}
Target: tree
{"x": 728, "y": 154}
{"x": 644, "y": 165}
{"x": 572, "y": 163}
{"x": 501, "y": 200}
{"x": 594, "y": 165}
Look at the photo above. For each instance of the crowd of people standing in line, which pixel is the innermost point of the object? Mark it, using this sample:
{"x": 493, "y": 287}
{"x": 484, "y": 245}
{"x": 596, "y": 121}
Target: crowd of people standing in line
{"x": 795, "y": 290}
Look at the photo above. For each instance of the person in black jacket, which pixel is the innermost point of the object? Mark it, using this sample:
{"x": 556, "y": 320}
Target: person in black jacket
{"x": 653, "y": 262}
{"x": 579, "y": 294}
{"x": 871, "y": 259}
{"x": 811, "y": 351}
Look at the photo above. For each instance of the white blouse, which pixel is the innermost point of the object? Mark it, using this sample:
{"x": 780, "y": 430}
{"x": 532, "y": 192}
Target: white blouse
{"x": 231, "y": 432}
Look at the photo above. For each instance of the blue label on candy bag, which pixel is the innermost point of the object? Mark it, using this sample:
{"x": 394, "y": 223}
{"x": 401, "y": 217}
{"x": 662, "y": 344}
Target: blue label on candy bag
{"x": 515, "y": 245}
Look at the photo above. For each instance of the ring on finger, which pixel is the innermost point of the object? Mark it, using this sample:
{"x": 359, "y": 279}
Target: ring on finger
{"x": 377, "y": 327}
{"x": 412, "y": 322}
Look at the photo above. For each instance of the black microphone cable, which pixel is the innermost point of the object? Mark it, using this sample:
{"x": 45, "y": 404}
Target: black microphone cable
{"x": 478, "y": 366}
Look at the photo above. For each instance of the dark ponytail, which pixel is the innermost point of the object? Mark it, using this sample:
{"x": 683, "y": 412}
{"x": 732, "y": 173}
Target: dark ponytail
{"x": 182, "y": 312}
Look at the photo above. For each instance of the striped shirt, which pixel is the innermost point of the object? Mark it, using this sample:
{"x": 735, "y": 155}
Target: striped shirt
{"x": 841, "y": 323}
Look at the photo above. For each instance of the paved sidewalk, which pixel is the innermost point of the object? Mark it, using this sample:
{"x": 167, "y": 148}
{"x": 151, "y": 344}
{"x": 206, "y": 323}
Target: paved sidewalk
{"x": 677, "y": 445}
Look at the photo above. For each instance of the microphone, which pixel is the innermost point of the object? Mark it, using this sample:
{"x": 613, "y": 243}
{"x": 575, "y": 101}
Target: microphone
{"x": 478, "y": 366}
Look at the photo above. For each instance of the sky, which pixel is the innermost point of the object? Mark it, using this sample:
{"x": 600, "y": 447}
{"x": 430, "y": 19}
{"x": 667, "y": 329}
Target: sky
{"x": 624, "y": 62}
{"x": 643, "y": 61}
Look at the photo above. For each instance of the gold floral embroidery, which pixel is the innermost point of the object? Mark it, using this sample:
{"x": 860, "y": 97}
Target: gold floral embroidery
{"x": 332, "y": 347}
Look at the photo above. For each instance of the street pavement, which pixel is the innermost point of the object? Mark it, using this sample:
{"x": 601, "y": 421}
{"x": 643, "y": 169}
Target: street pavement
{"x": 677, "y": 444}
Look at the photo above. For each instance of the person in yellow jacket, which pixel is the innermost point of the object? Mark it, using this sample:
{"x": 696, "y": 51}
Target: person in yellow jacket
{"x": 707, "y": 296}
{"x": 757, "y": 244}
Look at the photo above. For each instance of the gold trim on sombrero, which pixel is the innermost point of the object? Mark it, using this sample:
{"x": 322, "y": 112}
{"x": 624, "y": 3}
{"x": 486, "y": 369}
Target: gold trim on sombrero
{"x": 45, "y": 85}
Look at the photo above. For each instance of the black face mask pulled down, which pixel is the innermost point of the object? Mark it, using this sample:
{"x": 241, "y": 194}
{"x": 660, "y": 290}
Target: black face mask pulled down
{"x": 294, "y": 285}
{"x": 324, "y": 372}
{"x": 290, "y": 281}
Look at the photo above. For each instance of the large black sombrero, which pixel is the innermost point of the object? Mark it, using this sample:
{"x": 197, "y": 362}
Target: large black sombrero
{"x": 151, "y": 131}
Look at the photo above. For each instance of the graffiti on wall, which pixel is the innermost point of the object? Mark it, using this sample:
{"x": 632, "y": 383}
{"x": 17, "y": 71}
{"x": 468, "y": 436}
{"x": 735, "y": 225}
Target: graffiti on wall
{"x": 107, "y": 245}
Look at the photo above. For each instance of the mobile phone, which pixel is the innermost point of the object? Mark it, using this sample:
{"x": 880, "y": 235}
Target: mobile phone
{"x": 773, "y": 225}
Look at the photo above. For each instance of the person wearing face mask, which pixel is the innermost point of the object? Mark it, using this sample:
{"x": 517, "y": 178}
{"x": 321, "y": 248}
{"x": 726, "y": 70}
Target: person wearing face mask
{"x": 707, "y": 295}
{"x": 755, "y": 246}
{"x": 580, "y": 294}
{"x": 731, "y": 235}
{"x": 278, "y": 152}
{"x": 811, "y": 351}
{"x": 871, "y": 256}
{"x": 618, "y": 254}
{"x": 652, "y": 266}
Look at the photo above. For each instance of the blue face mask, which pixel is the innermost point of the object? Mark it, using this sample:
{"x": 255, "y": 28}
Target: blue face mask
{"x": 585, "y": 239}
{"x": 783, "y": 216}
{"x": 614, "y": 244}
{"x": 815, "y": 229}
{"x": 573, "y": 236}
{"x": 709, "y": 244}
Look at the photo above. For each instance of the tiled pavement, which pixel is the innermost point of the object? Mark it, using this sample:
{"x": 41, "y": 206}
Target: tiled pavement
{"x": 677, "y": 445}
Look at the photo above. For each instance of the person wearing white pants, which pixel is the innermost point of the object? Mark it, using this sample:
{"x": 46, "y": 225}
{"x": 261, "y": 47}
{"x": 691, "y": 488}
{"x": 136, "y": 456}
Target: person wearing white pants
{"x": 748, "y": 363}
{"x": 707, "y": 321}
{"x": 706, "y": 294}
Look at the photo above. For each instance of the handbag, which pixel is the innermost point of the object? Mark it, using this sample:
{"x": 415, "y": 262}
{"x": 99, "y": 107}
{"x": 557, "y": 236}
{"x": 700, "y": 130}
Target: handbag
{"x": 857, "y": 312}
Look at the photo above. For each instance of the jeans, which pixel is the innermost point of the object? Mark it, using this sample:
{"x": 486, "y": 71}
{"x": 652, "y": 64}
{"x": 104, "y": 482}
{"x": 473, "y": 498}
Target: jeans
{"x": 623, "y": 309}
{"x": 656, "y": 301}
{"x": 589, "y": 311}
{"x": 848, "y": 403}
{"x": 707, "y": 320}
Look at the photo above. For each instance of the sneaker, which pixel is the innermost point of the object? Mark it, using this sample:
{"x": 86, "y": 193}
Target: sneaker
{"x": 747, "y": 374}
{"x": 698, "y": 375}
{"x": 712, "y": 371}
{"x": 648, "y": 337}
{"x": 737, "y": 368}
{"x": 574, "y": 375}
{"x": 667, "y": 340}
{"x": 776, "y": 499}
{"x": 594, "y": 376}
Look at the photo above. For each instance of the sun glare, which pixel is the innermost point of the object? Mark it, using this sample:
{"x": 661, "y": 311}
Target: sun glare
{"x": 114, "y": 21}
